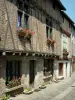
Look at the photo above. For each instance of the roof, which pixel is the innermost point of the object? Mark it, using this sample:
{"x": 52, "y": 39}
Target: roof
{"x": 67, "y": 17}
{"x": 58, "y": 2}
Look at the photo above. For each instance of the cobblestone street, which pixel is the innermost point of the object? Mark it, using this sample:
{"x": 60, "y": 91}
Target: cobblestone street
{"x": 54, "y": 91}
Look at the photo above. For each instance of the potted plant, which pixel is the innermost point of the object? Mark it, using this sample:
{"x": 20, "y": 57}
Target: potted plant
{"x": 28, "y": 91}
{"x": 42, "y": 86}
{"x": 9, "y": 85}
{"x": 5, "y": 97}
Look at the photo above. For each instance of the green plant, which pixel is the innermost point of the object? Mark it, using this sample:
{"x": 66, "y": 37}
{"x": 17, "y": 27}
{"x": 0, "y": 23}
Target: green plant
{"x": 28, "y": 89}
{"x": 6, "y": 97}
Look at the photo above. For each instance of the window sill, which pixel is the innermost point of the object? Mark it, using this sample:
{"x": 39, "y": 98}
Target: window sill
{"x": 14, "y": 88}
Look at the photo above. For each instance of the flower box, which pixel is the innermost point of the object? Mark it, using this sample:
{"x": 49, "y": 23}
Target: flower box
{"x": 14, "y": 82}
{"x": 50, "y": 41}
{"x": 25, "y": 33}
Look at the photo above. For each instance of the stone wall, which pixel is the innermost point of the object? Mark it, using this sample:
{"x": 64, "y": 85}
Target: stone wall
{"x": 2, "y": 76}
{"x": 38, "y": 71}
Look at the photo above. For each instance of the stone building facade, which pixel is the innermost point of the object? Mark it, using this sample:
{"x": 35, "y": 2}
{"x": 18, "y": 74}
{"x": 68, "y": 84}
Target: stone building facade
{"x": 73, "y": 47}
{"x": 65, "y": 62}
{"x": 30, "y": 41}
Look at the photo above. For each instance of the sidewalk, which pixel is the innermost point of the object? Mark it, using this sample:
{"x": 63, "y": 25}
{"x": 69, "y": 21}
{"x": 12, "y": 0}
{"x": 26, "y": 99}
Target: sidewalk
{"x": 53, "y": 90}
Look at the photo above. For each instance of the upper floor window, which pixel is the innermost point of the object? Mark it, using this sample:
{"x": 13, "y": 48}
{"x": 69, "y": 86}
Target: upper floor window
{"x": 19, "y": 19}
{"x": 26, "y": 17}
{"x": 62, "y": 18}
{"x": 65, "y": 43}
{"x": 20, "y": 5}
{"x": 69, "y": 25}
{"x": 49, "y": 28}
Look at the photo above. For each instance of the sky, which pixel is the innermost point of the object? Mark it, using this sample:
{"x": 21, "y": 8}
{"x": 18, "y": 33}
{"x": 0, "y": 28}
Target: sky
{"x": 70, "y": 8}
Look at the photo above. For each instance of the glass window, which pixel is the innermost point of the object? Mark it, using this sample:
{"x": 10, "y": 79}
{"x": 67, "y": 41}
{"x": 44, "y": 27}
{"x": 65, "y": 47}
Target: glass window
{"x": 26, "y": 17}
{"x": 12, "y": 70}
{"x": 19, "y": 19}
{"x": 48, "y": 67}
{"x": 49, "y": 28}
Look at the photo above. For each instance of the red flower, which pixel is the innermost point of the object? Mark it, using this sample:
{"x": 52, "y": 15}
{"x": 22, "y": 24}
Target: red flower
{"x": 26, "y": 30}
{"x": 32, "y": 32}
{"x": 53, "y": 41}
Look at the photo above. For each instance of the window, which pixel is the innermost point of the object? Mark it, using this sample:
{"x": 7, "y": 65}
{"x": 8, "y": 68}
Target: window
{"x": 49, "y": 28}
{"x": 20, "y": 5}
{"x": 53, "y": 5}
{"x": 62, "y": 17}
{"x": 10, "y": 1}
{"x": 26, "y": 9}
{"x": 19, "y": 19}
{"x": 12, "y": 70}
{"x": 69, "y": 25}
{"x": 64, "y": 43}
{"x": 48, "y": 67}
{"x": 26, "y": 21}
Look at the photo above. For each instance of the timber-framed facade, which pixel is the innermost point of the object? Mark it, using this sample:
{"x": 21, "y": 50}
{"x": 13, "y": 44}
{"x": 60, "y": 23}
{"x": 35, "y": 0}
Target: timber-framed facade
{"x": 30, "y": 42}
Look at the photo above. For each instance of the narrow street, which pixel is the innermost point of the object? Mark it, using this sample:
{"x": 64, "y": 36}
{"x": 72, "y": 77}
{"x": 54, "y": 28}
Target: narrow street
{"x": 70, "y": 96}
{"x": 64, "y": 90}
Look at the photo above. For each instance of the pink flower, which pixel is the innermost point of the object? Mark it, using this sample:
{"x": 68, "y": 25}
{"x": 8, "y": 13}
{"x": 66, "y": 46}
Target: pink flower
{"x": 26, "y": 30}
{"x": 32, "y": 32}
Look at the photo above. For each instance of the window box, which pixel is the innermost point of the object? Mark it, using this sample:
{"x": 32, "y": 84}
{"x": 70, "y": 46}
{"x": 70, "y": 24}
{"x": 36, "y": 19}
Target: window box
{"x": 49, "y": 41}
{"x": 25, "y": 33}
{"x": 13, "y": 83}
{"x": 52, "y": 42}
